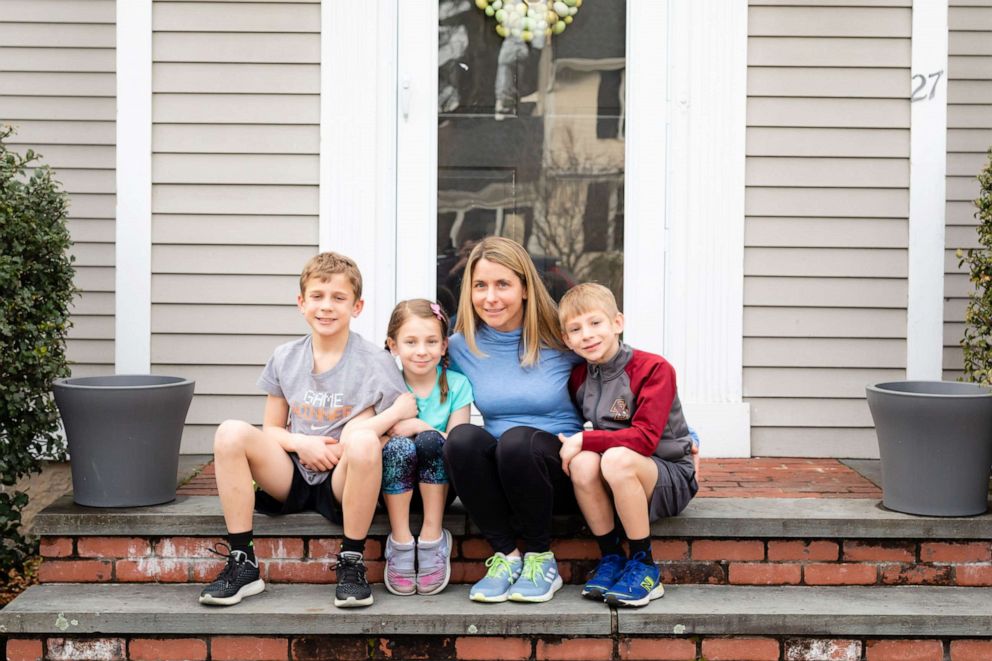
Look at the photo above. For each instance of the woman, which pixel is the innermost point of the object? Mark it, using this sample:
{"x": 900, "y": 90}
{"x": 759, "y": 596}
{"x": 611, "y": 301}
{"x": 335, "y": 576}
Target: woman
{"x": 508, "y": 473}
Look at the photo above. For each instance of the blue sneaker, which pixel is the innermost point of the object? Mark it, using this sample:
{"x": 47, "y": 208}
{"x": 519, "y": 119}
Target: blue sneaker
{"x": 495, "y": 585}
{"x": 539, "y": 579}
{"x": 607, "y": 572}
{"x": 639, "y": 584}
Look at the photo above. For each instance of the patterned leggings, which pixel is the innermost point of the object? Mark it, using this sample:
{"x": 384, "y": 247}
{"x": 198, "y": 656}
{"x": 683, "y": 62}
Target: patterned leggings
{"x": 407, "y": 461}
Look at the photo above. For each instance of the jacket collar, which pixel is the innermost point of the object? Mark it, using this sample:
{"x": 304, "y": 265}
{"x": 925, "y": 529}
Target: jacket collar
{"x": 614, "y": 366}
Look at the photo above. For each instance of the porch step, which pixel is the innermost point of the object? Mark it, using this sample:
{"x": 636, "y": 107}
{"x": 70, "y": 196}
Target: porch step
{"x": 855, "y": 518}
{"x": 291, "y": 610}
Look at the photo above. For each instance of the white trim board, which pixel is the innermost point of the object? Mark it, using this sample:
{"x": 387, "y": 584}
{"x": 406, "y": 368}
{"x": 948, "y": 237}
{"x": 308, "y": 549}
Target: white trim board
{"x": 357, "y": 148}
{"x": 133, "y": 218}
{"x": 705, "y": 216}
{"x": 927, "y": 192}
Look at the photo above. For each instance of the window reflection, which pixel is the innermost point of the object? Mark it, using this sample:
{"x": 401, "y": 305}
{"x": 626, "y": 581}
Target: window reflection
{"x": 531, "y": 145}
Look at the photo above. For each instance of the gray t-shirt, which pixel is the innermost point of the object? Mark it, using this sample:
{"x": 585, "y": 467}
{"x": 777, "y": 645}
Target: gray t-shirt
{"x": 321, "y": 404}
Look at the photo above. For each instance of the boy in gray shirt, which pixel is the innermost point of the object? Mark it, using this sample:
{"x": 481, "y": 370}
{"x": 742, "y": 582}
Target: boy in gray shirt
{"x": 307, "y": 456}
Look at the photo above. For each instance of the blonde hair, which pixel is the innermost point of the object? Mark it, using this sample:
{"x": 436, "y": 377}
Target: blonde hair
{"x": 328, "y": 264}
{"x": 587, "y": 297}
{"x": 421, "y": 307}
{"x": 540, "y": 323}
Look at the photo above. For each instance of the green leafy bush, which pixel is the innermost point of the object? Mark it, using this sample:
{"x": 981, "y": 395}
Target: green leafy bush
{"x": 977, "y": 342}
{"x": 36, "y": 290}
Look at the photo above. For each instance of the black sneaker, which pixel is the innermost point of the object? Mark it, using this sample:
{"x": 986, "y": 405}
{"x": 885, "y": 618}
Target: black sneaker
{"x": 238, "y": 579}
{"x": 353, "y": 589}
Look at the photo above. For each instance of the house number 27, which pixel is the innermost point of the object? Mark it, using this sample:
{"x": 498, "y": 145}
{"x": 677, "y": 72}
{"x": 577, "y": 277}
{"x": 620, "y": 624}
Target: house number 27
{"x": 920, "y": 83}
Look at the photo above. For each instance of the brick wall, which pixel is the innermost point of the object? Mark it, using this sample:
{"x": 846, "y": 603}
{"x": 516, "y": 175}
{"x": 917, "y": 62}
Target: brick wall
{"x": 684, "y": 561}
{"x": 617, "y": 648}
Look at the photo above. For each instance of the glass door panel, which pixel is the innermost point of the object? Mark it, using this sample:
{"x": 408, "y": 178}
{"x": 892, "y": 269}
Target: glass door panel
{"x": 531, "y": 138}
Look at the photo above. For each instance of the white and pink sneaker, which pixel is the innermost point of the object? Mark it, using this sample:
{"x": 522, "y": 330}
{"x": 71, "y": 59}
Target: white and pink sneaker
{"x": 434, "y": 564}
{"x": 400, "y": 576}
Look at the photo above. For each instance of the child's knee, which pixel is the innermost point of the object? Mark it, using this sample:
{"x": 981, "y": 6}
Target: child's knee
{"x": 429, "y": 445}
{"x": 230, "y": 437}
{"x": 585, "y": 469}
{"x": 619, "y": 463}
{"x": 362, "y": 447}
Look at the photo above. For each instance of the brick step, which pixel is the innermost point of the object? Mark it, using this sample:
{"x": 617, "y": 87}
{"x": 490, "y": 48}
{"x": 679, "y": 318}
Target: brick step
{"x": 750, "y": 541}
{"x": 299, "y": 622}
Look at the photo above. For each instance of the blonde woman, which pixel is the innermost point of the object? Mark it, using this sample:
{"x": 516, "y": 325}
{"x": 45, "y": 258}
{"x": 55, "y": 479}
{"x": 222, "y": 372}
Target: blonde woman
{"x": 508, "y": 473}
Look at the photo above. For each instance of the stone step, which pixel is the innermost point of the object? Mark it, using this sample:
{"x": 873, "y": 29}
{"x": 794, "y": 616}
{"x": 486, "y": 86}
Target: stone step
{"x": 70, "y": 610}
{"x": 850, "y": 518}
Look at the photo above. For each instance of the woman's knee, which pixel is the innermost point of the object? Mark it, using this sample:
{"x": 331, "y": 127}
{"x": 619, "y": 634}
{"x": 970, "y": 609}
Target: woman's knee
{"x": 462, "y": 440}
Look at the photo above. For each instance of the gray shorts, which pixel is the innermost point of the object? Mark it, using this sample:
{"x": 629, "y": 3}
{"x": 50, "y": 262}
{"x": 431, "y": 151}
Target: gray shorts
{"x": 674, "y": 489}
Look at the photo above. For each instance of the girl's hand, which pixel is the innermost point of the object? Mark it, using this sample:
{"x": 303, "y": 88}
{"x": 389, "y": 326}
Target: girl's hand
{"x": 315, "y": 451}
{"x": 405, "y": 406}
{"x": 409, "y": 427}
{"x": 570, "y": 446}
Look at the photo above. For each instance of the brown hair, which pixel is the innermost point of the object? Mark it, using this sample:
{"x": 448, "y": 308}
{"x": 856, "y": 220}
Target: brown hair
{"x": 587, "y": 297}
{"x": 328, "y": 264}
{"x": 540, "y": 325}
{"x": 421, "y": 307}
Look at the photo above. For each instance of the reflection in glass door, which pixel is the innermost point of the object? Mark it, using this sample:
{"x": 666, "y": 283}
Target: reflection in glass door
{"x": 531, "y": 137}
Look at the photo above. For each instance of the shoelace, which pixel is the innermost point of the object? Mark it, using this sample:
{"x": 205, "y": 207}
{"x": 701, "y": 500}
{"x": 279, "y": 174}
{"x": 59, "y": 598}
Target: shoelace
{"x": 350, "y": 569}
{"x": 609, "y": 564}
{"x": 631, "y": 573}
{"x": 233, "y": 559}
{"x": 532, "y": 565}
{"x": 498, "y": 566}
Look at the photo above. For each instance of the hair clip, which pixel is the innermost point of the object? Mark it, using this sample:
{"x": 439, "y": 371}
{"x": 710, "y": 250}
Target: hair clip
{"x": 436, "y": 309}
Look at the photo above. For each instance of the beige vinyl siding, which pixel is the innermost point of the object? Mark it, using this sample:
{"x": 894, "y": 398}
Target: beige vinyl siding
{"x": 827, "y": 204}
{"x": 235, "y": 166}
{"x": 969, "y": 136}
{"x": 57, "y": 89}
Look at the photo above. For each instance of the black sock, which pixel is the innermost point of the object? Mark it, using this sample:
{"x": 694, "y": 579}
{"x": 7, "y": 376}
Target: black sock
{"x": 610, "y": 543}
{"x": 244, "y": 542}
{"x": 353, "y": 545}
{"x": 641, "y": 546}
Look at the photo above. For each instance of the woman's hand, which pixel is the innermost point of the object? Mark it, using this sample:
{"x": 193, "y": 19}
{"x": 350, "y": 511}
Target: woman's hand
{"x": 570, "y": 446}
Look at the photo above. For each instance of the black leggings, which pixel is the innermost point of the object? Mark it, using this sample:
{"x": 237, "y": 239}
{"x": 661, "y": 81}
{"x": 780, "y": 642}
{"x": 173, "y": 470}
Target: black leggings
{"x": 511, "y": 486}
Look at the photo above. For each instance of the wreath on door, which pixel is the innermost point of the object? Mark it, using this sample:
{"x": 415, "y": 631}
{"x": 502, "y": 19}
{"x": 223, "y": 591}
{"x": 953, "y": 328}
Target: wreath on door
{"x": 530, "y": 20}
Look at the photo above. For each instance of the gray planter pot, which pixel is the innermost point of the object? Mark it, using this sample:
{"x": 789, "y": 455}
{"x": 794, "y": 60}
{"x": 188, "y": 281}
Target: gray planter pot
{"x": 935, "y": 445}
{"x": 124, "y": 433}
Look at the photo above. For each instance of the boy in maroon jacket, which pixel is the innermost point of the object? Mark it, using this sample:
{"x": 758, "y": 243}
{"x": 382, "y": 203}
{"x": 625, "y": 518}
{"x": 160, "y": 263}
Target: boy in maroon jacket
{"x": 638, "y": 459}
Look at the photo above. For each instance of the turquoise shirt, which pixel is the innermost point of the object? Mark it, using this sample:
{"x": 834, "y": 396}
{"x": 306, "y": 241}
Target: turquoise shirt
{"x": 436, "y": 413}
{"x": 510, "y": 395}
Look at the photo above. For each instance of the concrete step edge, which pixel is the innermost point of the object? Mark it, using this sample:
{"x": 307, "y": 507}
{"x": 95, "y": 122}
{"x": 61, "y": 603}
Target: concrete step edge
{"x": 165, "y": 610}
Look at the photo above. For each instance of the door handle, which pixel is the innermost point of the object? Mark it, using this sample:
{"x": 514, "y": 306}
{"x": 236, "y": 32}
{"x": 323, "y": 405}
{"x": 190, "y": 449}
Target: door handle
{"x": 405, "y": 93}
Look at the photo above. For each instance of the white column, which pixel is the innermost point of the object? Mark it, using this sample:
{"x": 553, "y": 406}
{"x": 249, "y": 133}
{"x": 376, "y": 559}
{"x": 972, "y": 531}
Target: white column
{"x": 646, "y": 124}
{"x": 358, "y": 145}
{"x": 705, "y": 287}
{"x": 927, "y": 184}
{"x": 416, "y": 150}
{"x": 133, "y": 250}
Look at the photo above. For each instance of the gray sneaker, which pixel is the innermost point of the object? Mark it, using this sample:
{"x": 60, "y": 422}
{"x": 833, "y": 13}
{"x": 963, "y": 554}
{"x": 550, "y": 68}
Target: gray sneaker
{"x": 494, "y": 587}
{"x": 434, "y": 564}
{"x": 400, "y": 575}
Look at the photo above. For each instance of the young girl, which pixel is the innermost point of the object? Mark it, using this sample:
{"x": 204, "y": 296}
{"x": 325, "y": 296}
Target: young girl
{"x": 418, "y": 334}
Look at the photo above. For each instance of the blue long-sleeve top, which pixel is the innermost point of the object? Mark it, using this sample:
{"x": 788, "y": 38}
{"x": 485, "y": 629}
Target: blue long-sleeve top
{"x": 508, "y": 394}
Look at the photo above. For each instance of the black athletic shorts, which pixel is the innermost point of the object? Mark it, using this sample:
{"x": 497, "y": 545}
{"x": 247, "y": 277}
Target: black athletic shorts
{"x": 302, "y": 497}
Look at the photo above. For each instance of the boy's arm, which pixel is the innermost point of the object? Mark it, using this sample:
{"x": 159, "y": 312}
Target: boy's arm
{"x": 315, "y": 452}
{"x": 654, "y": 403}
{"x": 405, "y": 406}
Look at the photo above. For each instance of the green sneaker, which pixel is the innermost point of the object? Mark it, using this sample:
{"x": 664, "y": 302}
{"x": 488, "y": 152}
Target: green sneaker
{"x": 495, "y": 585}
{"x": 539, "y": 580}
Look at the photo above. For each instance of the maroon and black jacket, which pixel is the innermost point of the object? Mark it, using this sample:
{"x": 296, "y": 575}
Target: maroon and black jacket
{"x": 632, "y": 402}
